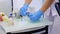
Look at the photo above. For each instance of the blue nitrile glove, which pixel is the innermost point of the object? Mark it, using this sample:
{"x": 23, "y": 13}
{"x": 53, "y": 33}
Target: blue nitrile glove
{"x": 23, "y": 10}
{"x": 36, "y": 16}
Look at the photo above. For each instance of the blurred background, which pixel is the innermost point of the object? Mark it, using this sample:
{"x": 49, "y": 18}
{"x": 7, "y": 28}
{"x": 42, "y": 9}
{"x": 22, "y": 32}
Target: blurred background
{"x": 6, "y": 6}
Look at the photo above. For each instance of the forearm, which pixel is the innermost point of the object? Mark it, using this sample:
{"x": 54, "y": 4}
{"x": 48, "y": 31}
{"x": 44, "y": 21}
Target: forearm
{"x": 28, "y": 1}
{"x": 46, "y": 5}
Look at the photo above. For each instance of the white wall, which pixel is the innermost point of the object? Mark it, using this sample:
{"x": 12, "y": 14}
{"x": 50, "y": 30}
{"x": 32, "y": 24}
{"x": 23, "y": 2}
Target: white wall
{"x": 34, "y": 4}
{"x": 5, "y": 6}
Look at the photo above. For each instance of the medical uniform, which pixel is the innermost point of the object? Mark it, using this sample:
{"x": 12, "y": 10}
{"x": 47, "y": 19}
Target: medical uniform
{"x": 56, "y": 25}
{"x": 55, "y": 28}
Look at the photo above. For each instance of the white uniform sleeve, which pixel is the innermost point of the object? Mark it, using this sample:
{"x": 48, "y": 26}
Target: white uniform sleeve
{"x": 52, "y": 9}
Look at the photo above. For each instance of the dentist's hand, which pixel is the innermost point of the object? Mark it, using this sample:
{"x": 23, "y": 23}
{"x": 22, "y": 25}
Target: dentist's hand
{"x": 23, "y": 10}
{"x": 36, "y": 16}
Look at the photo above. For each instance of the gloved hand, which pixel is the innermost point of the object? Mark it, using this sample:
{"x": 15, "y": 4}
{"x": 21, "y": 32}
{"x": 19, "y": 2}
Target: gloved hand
{"x": 23, "y": 10}
{"x": 36, "y": 16}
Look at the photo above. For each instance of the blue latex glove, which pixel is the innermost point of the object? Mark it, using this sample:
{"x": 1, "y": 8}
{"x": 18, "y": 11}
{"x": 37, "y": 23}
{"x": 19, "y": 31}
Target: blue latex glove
{"x": 23, "y": 10}
{"x": 36, "y": 16}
